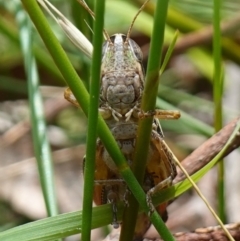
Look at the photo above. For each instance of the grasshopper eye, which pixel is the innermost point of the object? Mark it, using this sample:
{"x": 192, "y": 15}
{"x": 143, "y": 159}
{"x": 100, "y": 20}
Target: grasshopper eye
{"x": 136, "y": 50}
{"x": 104, "y": 48}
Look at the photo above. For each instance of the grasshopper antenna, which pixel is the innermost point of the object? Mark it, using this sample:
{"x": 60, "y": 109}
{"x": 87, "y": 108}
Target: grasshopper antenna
{"x": 84, "y": 4}
{"x": 134, "y": 19}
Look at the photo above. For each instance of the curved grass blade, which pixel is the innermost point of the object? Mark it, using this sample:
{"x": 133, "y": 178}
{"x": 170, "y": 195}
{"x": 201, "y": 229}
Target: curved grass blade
{"x": 169, "y": 53}
{"x": 41, "y": 145}
{"x": 145, "y": 126}
{"x": 217, "y": 96}
{"x": 60, "y": 226}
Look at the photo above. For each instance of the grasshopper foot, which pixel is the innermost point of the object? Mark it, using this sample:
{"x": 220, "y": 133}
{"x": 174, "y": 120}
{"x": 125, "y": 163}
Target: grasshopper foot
{"x": 112, "y": 198}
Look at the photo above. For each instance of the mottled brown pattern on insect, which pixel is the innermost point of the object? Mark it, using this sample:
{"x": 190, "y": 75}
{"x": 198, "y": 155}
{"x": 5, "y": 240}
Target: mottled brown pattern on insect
{"x": 122, "y": 85}
{"x": 159, "y": 173}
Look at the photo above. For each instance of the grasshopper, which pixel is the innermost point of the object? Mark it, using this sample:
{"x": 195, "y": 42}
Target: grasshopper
{"x": 122, "y": 85}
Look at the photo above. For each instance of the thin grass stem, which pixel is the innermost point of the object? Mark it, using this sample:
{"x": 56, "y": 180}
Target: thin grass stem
{"x": 40, "y": 140}
{"x": 145, "y": 126}
{"x": 89, "y": 165}
{"x": 217, "y": 95}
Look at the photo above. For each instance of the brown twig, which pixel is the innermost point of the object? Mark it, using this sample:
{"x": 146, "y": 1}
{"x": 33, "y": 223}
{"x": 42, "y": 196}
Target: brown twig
{"x": 201, "y": 234}
{"x": 204, "y": 35}
{"x": 208, "y": 150}
{"x": 207, "y": 234}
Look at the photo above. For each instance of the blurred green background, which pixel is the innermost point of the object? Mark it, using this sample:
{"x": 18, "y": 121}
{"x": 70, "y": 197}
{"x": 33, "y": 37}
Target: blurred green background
{"x": 186, "y": 85}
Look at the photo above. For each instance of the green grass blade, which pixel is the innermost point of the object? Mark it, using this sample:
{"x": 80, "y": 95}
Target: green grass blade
{"x": 145, "y": 126}
{"x": 41, "y": 145}
{"x": 89, "y": 166}
{"x": 60, "y": 226}
{"x": 169, "y": 52}
{"x": 217, "y": 96}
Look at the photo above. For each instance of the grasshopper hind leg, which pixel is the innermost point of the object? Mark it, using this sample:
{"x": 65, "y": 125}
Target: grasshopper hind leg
{"x": 165, "y": 183}
{"x": 163, "y": 175}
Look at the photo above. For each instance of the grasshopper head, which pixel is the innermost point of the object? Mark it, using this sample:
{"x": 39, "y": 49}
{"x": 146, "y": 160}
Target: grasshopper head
{"x": 120, "y": 42}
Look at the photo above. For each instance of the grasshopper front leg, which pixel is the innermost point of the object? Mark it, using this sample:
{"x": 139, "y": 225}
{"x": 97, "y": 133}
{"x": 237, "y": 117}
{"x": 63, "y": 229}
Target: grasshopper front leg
{"x": 68, "y": 95}
{"x": 160, "y": 114}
